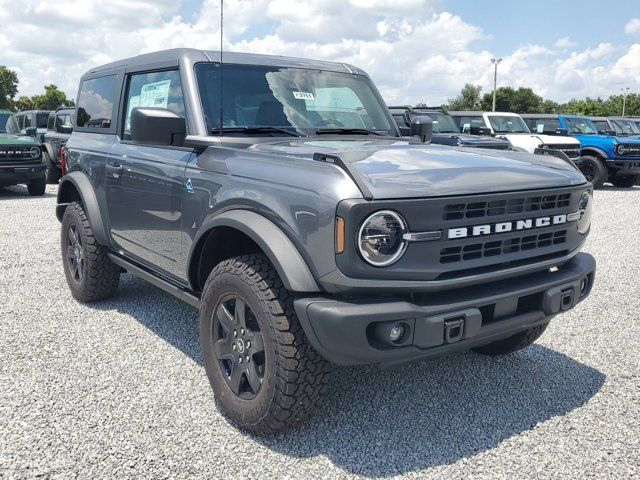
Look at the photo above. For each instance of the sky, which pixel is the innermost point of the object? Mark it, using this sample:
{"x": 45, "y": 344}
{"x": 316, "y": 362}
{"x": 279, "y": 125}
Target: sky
{"x": 414, "y": 50}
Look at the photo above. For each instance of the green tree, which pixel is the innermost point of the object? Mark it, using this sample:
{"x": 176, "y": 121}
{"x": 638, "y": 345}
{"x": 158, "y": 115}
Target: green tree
{"x": 504, "y": 99}
{"x": 23, "y": 103}
{"x": 469, "y": 99}
{"x": 8, "y": 87}
{"x": 51, "y": 99}
{"x": 549, "y": 106}
{"x": 524, "y": 100}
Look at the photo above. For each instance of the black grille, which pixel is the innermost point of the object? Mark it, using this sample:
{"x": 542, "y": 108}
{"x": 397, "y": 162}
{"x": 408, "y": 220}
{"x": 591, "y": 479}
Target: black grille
{"x": 459, "y": 211}
{"x": 501, "y": 247}
{"x": 8, "y": 153}
{"x": 572, "y": 151}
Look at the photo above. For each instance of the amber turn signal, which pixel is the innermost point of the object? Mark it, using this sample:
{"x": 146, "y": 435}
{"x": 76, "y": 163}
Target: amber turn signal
{"x": 340, "y": 235}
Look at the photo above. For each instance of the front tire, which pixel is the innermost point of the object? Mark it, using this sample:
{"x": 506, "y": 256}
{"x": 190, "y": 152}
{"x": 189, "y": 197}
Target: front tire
{"x": 513, "y": 343}
{"x": 265, "y": 376}
{"x": 594, "y": 170}
{"x": 90, "y": 274}
{"x": 53, "y": 173}
{"x": 37, "y": 187}
{"x": 625, "y": 182}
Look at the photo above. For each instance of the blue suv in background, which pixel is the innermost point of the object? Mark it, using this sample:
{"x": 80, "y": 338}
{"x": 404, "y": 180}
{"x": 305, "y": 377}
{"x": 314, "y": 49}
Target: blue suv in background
{"x": 615, "y": 159}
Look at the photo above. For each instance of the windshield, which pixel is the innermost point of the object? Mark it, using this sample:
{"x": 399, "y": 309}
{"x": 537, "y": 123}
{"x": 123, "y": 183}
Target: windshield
{"x": 581, "y": 125}
{"x": 301, "y": 101}
{"x": 601, "y": 125}
{"x": 507, "y": 124}
{"x": 625, "y": 127}
{"x": 8, "y": 123}
{"x": 442, "y": 123}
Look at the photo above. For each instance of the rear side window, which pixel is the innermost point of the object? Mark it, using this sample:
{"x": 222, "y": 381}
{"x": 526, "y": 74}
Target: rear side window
{"x": 154, "y": 89}
{"x": 51, "y": 121}
{"x": 466, "y": 122}
{"x": 541, "y": 125}
{"x": 26, "y": 121}
{"x": 41, "y": 120}
{"x": 95, "y": 102}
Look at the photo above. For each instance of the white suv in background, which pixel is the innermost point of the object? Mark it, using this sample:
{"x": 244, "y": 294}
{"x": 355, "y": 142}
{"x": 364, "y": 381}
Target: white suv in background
{"x": 511, "y": 127}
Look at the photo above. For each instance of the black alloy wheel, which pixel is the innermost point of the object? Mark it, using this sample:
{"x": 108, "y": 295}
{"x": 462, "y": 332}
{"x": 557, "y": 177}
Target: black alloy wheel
{"x": 238, "y": 346}
{"x": 75, "y": 253}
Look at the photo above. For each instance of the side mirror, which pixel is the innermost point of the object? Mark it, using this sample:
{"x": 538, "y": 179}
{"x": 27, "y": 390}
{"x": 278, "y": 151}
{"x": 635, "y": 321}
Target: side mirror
{"x": 64, "y": 129}
{"x": 562, "y": 131}
{"x": 157, "y": 126}
{"x": 31, "y": 131}
{"x": 422, "y": 126}
{"x": 405, "y": 131}
{"x": 475, "y": 130}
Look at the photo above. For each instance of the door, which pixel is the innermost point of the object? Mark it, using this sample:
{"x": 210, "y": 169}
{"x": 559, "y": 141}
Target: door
{"x": 145, "y": 183}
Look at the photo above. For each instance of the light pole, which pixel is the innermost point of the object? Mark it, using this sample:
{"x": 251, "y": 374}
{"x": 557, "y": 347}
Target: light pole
{"x": 495, "y": 62}
{"x": 625, "y": 92}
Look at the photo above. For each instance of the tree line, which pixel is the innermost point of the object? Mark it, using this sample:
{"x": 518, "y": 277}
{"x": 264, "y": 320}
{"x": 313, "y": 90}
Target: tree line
{"x": 525, "y": 100}
{"x": 50, "y": 99}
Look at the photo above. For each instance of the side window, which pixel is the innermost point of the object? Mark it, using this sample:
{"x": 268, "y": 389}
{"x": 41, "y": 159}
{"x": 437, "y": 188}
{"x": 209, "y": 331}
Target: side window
{"x": 95, "y": 102}
{"x": 51, "y": 121}
{"x": 41, "y": 120}
{"x": 26, "y": 121}
{"x": 155, "y": 89}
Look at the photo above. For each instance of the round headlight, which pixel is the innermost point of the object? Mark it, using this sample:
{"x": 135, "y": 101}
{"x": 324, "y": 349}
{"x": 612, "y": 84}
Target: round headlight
{"x": 585, "y": 207}
{"x": 380, "y": 238}
{"x": 34, "y": 152}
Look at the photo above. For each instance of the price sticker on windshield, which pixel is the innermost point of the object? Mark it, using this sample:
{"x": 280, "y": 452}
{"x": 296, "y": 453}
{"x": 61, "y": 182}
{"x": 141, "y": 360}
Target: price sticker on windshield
{"x": 303, "y": 95}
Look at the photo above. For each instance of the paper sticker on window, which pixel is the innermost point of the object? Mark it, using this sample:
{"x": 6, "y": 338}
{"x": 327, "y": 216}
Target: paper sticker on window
{"x": 303, "y": 95}
{"x": 155, "y": 94}
{"x": 540, "y": 128}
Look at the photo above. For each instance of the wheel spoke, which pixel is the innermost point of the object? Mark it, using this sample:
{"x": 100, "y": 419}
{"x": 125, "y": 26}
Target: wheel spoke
{"x": 253, "y": 378}
{"x": 240, "y": 311}
{"x": 224, "y": 349}
{"x": 71, "y": 253}
{"x": 226, "y": 319}
{"x": 72, "y": 235}
{"x": 236, "y": 376}
{"x": 257, "y": 345}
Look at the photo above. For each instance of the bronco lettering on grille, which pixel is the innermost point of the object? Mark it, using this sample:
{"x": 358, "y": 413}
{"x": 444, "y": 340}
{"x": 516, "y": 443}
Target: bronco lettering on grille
{"x": 503, "y": 227}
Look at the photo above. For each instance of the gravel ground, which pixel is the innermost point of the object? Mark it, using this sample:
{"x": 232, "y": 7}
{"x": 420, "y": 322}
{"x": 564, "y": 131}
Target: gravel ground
{"x": 117, "y": 389}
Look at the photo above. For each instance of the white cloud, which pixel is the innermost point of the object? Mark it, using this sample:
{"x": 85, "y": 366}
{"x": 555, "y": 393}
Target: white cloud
{"x": 632, "y": 27}
{"x": 413, "y": 49}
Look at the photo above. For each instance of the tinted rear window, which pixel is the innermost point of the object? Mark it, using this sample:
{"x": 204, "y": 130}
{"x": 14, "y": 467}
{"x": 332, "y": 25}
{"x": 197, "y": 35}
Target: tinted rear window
{"x": 95, "y": 102}
{"x": 41, "y": 120}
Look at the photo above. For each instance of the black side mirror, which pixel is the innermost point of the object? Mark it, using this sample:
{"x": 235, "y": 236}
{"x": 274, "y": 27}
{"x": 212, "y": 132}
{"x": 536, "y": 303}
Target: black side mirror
{"x": 562, "y": 131}
{"x": 405, "y": 131}
{"x": 157, "y": 126}
{"x": 422, "y": 126}
{"x": 475, "y": 130}
{"x": 64, "y": 129}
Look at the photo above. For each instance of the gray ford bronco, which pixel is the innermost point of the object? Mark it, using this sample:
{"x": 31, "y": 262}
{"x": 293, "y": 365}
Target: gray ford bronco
{"x": 277, "y": 196}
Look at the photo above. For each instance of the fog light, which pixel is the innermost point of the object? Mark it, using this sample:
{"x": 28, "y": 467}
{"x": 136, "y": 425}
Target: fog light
{"x": 397, "y": 332}
{"x": 584, "y": 286}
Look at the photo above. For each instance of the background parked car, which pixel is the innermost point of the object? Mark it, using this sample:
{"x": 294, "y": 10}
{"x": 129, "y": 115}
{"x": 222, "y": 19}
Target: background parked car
{"x": 33, "y": 118}
{"x": 619, "y": 126}
{"x": 604, "y": 157}
{"x": 20, "y": 156}
{"x": 445, "y": 131}
{"x": 59, "y": 128}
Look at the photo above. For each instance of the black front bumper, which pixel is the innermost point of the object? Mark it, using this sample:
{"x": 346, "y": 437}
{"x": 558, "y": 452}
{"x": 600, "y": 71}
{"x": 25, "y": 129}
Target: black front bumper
{"x": 15, "y": 174}
{"x": 345, "y": 331}
{"x": 624, "y": 167}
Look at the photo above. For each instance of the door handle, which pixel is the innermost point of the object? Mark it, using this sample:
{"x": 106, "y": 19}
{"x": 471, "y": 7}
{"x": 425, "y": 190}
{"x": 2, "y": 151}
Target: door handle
{"x": 114, "y": 169}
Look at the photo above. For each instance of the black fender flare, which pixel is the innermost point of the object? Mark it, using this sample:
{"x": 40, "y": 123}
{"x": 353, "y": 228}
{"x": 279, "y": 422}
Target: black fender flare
{"x": 594, "y": 150}
{"x": 282, "y": 253}
{"x": 79, "y": 182}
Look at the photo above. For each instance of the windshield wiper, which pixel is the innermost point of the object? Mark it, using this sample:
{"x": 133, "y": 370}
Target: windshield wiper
{"x": 346, "y": 131}
{"x": 254, "y": 130}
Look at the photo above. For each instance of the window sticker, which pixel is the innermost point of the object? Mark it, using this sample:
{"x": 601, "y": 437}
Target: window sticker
{"x": 155, "y": 94}
{"x": 540, "y": 128}
{"x": 303, "y": 95}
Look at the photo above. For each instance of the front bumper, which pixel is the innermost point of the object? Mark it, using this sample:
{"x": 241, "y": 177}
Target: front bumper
{"x": 344, "y": 330}
{"x": 21, "y": 173}
{"x": 624, "y": 167}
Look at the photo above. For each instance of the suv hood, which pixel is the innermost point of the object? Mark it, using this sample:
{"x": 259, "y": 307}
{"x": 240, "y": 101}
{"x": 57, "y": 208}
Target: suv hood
{"x": 14, "y": 140}
{"x": 394, "y": 168}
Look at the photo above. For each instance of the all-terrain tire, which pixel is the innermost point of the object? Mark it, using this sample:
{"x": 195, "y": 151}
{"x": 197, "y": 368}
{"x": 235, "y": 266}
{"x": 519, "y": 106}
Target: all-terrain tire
{"x": 37, "y": 187}
{"x": 625, "y": 182}
{"x": 294, "y": 375}
{"x": 594, "y": 170}
{"x": 513, "y": 343}
{"x": 98, "y": 277}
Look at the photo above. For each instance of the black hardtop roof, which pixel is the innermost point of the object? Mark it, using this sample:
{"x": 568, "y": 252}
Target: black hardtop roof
{"x": 171, "y": 58}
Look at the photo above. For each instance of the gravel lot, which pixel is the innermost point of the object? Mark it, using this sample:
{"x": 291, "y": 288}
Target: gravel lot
{"x": 118, "y": 390}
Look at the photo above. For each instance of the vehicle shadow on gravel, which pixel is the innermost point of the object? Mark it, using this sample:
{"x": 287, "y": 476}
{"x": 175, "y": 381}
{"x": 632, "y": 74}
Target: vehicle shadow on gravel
{"x": 17, "y": 191}
{"x": 382, "y": 423}
{"x": 611, "y": 188}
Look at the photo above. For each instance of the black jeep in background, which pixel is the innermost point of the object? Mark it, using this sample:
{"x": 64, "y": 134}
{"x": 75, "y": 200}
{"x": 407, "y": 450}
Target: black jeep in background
{"x": 59, "y": 128}
{"x": 445, "y": 131}
{"x": 33, "y": 118}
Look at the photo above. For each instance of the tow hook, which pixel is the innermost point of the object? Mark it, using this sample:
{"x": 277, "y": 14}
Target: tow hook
{"x": 453, "y": 330}
{"x": 566, "y": 301}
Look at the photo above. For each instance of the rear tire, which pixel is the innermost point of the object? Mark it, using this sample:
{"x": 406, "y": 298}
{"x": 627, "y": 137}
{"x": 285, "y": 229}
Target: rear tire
{"x": 594, "y": 170}
{"x": 265, "y": 376}
{"x": 625, "y": 182}
{"x": 37, "y": 187}
{"x": 90, "y": 274}
{"x": 513, "y": 343}
{"x": 53, "y": 173}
